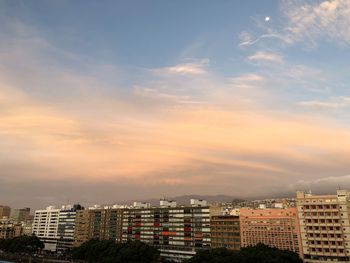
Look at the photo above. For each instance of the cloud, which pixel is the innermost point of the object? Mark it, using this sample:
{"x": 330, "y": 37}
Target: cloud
{"x": 72, "y": 132}
{"x": 247, "y": 39}
{"x": 312, "y": 21}
{"x": 197, "y": 67}
{"x": 266, "y": 56}
{"x": 323, "y": 184}
{"x": 333, "y": 103}
{"x": 306, "y": 22}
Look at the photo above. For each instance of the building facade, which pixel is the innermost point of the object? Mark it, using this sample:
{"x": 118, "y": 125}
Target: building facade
{"x": 66, "y": 227}
{"x": 273, "y": 227}
{"x": 55, "y": 227}
{"x": 20, "y": 215}
{"x": 28, "y": 226}
{"x": 225, "y": 232}
{"x": 98, "y": 223}
{"x": 5, "y": 211}
{"x": 177, "y": 231}
{"x": 45, "y": 226}
{"x": 82, "y": 227}
{"x": 9, "y": 229}
{"x": 324, "y": 226}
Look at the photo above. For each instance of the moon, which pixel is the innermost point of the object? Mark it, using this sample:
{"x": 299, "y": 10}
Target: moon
{"x": 267, "y": 18}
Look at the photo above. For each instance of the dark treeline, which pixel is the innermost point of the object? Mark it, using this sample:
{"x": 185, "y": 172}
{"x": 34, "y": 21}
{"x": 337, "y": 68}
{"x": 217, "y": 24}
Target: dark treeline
{"x": 107, "y": 251}
{"x": 257, "y": 254}
{"x": 22, "y": 244}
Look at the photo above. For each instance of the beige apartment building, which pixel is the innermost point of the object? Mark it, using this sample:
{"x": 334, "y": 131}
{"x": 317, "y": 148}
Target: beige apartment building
{"x": 324, "y": 226}
{"x": 225, "y": 232}
{"x": 101, "y": 223}
{"x": 274, "y": 227}
{"x": 9, "y": 229}
{"x": 5, "y": 211}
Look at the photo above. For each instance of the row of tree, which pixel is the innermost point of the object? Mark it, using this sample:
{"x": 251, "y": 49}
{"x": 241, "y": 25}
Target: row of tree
{"x": 22, "y": 244}
{"x": 255, "y": 254}
{"x": 107, "y": 251}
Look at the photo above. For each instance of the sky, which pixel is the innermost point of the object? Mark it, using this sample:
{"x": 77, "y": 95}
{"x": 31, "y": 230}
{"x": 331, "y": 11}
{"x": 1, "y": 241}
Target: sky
{"x": 105, "y": 101}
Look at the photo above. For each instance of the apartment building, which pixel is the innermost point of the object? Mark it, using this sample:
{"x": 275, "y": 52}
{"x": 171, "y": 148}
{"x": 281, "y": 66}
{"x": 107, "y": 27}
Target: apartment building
{"x": 5, "y": 211}
{"x": 55, "y": 227}
{"x": 102, "y": 223}
{"x": 324, "y": 226}
{"x": 225, "y": 232}
{"x": 28, "y": 225}
{"x": 273, "y": 227}
{"x": 9, "y": 229}
{"x": 177, "y": 231}
{"x": 66, "y": 226}
{"x": 20, "y": 215}
{"x": 45, "y": 226}
{"x": 82, "y": 227}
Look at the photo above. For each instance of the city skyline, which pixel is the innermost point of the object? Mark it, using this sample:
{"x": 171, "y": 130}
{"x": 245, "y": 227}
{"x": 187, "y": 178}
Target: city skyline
{"x": 104, "y": 102}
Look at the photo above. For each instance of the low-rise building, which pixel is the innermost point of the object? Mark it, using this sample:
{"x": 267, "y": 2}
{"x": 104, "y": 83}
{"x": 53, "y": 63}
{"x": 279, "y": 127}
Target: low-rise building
{"x": 9, "y": 229}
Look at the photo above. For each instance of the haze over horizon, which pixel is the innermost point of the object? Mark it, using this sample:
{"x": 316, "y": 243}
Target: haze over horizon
{"x": 120, "y": 100}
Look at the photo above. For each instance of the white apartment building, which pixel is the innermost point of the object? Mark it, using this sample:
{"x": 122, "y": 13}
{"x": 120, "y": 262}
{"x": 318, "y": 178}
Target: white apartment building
{"x": 324, "y": 226}
{"x": 55, "y": 227}
{"x": 45, "y": 226}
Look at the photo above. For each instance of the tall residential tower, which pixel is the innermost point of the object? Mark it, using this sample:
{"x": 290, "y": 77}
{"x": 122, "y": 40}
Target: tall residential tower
{"x": 324, "y": 226}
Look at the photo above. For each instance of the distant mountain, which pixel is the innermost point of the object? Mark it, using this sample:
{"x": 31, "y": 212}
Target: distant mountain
{"x": 185, "y": 199}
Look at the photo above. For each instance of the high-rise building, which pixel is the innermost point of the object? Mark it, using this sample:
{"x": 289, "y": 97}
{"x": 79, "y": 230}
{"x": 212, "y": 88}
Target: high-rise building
{"x": 5, "y": 211}
{"x": 45, "y": 226}
{"x": 225, "y": 232}
{"x": 55, "y": 227}
{"x": 324, "y": 226}
{"x": 102, "y": 223}
{"x": 82, "y": 227}
{"x": 66, "y": 226}
{"x": 273, "y": 227}
{"x": 177, "y": 231}
{"x": 20, "y": 215}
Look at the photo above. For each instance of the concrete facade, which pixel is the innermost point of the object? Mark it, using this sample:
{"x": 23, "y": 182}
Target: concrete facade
{"x": 273, "y": 227}
{"x": 324, "y": 226}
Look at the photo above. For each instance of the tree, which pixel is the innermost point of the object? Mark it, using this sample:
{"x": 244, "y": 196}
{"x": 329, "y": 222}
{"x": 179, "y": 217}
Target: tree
{"x": 254, "y": 254}
{"x": 107, "y": 251}
{"x": 22, "y": 244}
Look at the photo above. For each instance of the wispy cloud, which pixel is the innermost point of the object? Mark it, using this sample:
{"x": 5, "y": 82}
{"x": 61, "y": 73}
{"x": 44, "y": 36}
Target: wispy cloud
{"x": 333, "y": 103}
{"x": 196, "y": 67}
{"x": 267, "y": 57}
{"x": 312, "y": 21}
{"x": 304, "y": 22}
{"x": 247, "y": 39}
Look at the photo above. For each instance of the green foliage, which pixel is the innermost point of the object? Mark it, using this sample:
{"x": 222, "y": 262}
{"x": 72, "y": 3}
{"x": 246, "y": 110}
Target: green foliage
{"x": 257, "y": 254}
{"x": 107, "y": 251}
{"x": 21, "y": 244}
